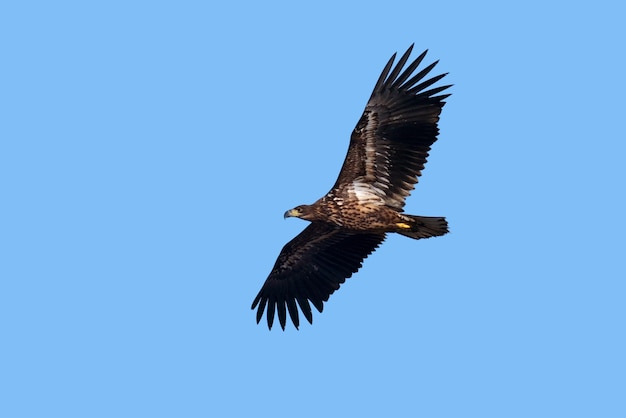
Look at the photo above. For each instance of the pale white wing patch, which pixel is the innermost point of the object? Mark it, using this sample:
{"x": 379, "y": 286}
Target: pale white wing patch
{"x": 366, "y": 193}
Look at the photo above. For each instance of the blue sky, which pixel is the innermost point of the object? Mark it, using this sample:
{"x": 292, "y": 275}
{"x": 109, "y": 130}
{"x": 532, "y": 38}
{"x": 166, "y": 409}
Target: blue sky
{"x": 148, "y": 151}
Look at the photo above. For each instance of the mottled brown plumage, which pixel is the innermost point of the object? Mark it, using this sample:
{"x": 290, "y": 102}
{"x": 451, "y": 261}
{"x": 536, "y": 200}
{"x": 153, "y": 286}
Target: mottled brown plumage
{"x": 387, "y": 152}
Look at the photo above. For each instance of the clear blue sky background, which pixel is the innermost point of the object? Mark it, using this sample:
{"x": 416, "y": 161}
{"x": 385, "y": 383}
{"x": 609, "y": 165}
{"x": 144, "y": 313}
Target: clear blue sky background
{"x": 149, "y": 149}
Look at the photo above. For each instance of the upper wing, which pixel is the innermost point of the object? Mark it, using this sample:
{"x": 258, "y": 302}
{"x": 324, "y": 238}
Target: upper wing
{"x": 390, "y": 143}
{"x": 311, "y": 267}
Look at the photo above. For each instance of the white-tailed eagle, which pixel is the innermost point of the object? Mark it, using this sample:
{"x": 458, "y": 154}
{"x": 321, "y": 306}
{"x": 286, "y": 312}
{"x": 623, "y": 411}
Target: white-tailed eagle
{"x": 387, "y": 152}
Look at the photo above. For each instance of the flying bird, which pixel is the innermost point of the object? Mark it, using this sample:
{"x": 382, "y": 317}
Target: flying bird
{"x": 387, "y": 152}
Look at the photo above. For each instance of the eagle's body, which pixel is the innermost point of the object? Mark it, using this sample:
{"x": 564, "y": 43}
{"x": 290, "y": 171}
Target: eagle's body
{"x": 387, "y": 152}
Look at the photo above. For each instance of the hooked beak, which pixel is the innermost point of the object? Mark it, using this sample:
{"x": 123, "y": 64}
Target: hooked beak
{"x": 292, "y": 213}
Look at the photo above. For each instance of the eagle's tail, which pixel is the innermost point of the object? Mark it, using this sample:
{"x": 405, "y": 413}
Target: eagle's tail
{"x": 424, "y": 227}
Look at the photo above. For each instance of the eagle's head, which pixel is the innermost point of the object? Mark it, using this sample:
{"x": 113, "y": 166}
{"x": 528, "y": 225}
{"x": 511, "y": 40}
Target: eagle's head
{"x": 302, "y": 212}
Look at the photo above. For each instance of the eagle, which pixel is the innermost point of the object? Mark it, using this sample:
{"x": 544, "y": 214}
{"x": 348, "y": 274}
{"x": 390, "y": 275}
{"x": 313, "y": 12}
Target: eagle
{"x": 387, "y": 153}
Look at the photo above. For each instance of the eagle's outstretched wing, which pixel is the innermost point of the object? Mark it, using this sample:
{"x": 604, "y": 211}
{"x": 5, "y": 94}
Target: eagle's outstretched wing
{"x": 310, "y": 268}
{"x": 390, "y": 143}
